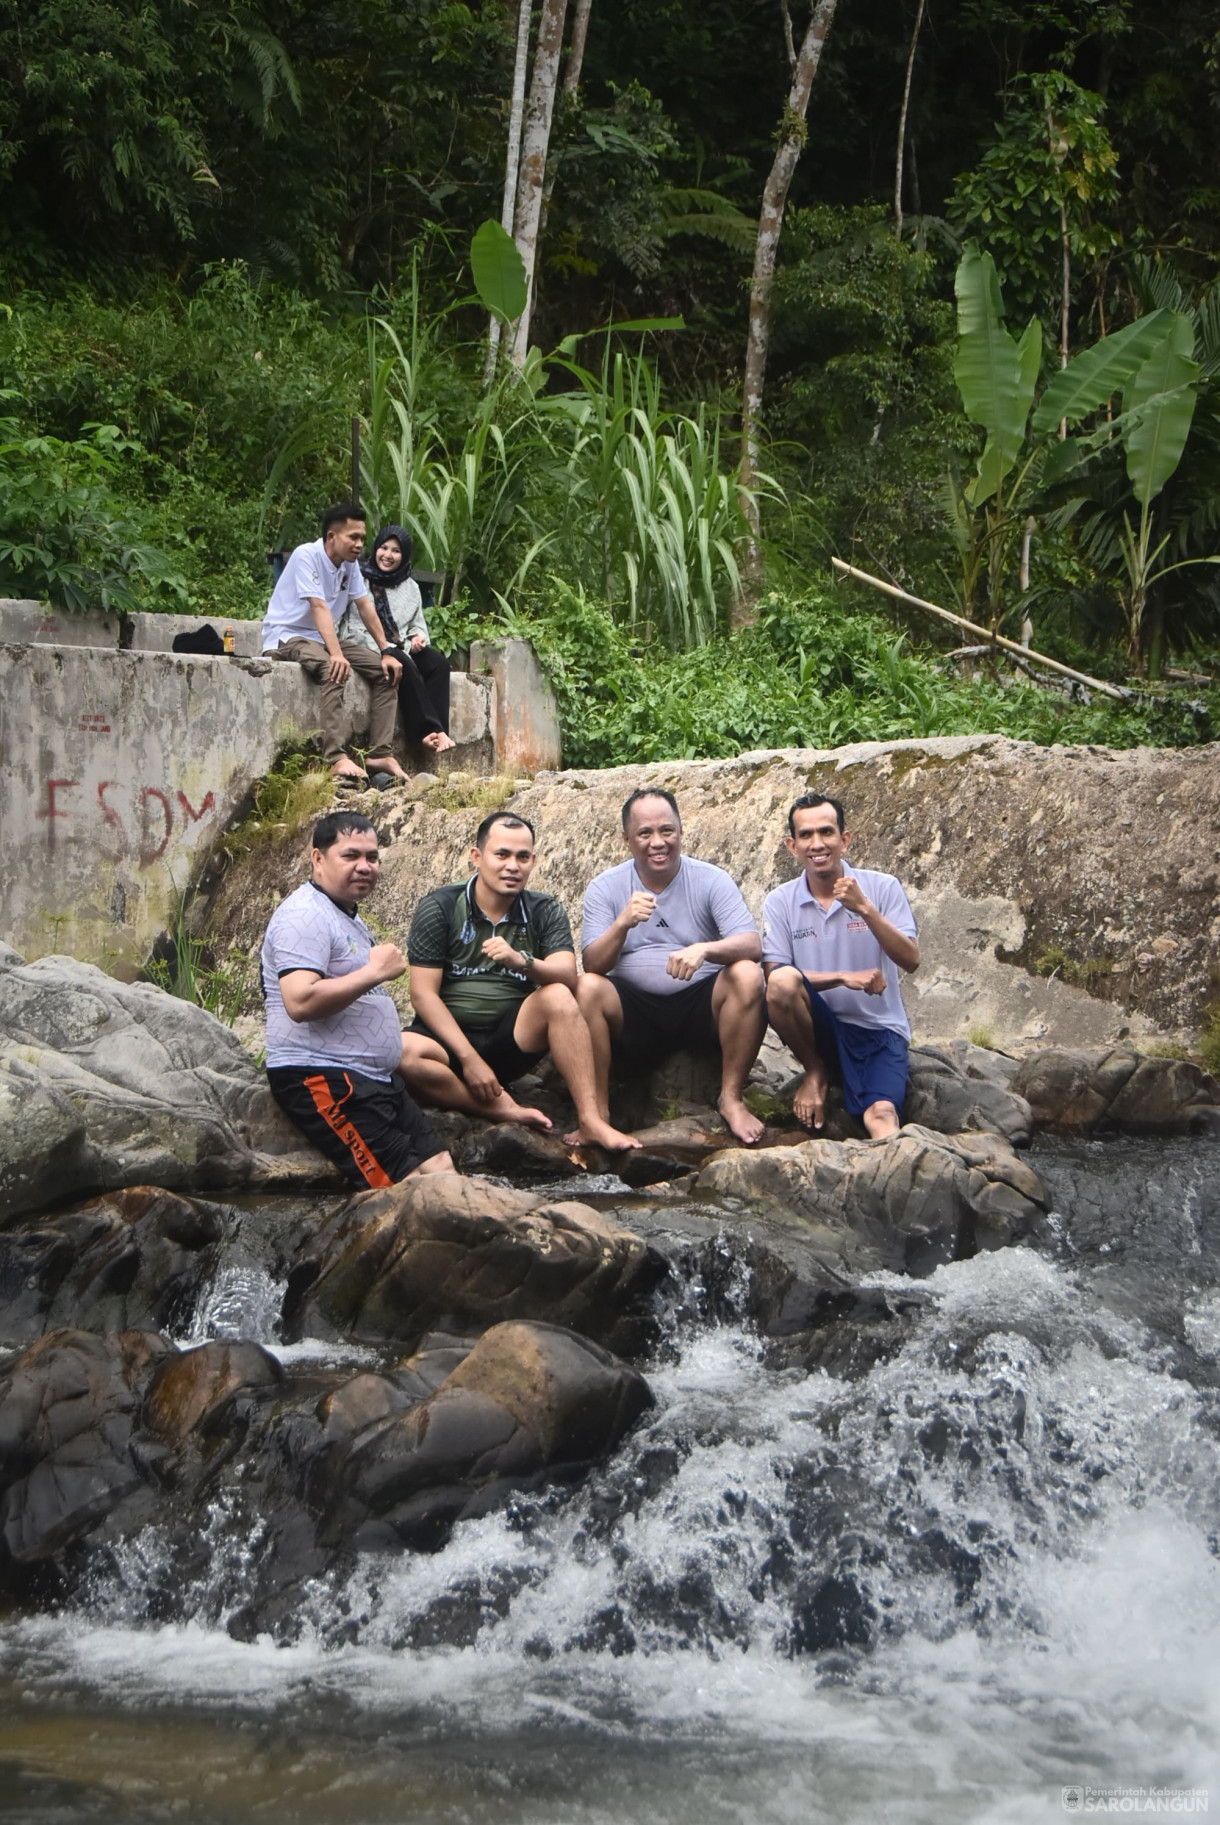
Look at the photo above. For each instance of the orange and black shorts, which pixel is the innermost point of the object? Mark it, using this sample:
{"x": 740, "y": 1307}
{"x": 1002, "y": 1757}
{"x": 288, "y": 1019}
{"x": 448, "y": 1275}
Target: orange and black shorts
{"x": 372, "y": 1131}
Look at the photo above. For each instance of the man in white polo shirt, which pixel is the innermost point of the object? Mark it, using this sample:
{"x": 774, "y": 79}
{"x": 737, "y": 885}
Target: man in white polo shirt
{"x": 834, "y": 941}
{"x": 315, "y": 587}
{"x": 671, "y": 959}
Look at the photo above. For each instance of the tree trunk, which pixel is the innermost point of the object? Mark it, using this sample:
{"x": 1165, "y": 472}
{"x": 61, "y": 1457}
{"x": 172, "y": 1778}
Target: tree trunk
{"x": 766, "y": 246}
{"x": 902, "y": 122}
{"x": 534, "y": 142}
{"x": 511, "y": 164}
{"x": 576, "y": 50}
{"x": 571, "y": 84}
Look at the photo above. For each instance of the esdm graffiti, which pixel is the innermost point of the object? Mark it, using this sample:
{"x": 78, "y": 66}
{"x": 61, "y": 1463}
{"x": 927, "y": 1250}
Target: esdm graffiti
{"x": 141, "y": 819}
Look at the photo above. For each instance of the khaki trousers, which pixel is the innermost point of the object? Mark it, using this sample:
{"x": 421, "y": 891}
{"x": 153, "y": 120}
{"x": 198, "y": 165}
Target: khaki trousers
{"x": 312, "y": 656}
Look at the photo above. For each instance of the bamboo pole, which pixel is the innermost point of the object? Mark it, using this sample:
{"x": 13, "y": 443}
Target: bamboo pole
{"x": 972, "y": 627}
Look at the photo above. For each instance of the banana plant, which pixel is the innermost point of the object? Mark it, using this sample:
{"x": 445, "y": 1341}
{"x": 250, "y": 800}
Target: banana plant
{"x": 1152, "y": 360}
{"x": 996, "y": 377}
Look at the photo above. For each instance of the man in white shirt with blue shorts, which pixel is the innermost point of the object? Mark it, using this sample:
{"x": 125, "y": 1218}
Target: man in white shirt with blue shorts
{"x": 671, "y": 960}
{"x": 834, "y": 941}
{"x": 315, "y": 589}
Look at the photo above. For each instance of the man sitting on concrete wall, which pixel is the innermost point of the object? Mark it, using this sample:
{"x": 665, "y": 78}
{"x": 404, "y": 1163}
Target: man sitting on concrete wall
{"x": 334, "y": 1036}
{"x": 493, "y": 985}
{"x": 671, "y": 957}
{"x": 316, "y": 586}
{"x": 833, "y": 942}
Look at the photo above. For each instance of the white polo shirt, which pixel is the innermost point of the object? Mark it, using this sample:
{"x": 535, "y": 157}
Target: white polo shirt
{"x": 309, "y": 572}
{"x": 797, "y": 929}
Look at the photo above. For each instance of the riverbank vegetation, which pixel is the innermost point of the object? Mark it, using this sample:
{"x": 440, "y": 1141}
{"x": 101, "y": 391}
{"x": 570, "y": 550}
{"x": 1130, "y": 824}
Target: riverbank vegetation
{"x": 991, "y": 342}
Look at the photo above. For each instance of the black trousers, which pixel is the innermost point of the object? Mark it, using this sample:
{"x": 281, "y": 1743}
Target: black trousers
{"x": 423, "y": 692}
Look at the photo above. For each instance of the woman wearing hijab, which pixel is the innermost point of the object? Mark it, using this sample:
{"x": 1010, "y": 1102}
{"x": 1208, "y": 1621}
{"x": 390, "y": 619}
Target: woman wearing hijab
{"x": 423, "y": 689}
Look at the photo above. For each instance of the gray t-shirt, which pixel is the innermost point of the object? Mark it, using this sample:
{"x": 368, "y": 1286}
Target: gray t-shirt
{"x": 309, "y": 932}
{"x": 701, "y": 905}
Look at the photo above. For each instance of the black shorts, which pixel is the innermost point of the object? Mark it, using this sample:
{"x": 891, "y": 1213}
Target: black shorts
{"x": 372, "y": 1131}
{"x": 656, "y": 1025}
{"x": 494, "y": 1045}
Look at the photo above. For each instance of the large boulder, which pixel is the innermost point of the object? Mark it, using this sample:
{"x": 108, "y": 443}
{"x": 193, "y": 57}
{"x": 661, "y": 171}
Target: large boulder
{"x": 958, "y": 1087}
{"x": 1118, "y": 1091}
{"x": 906, "y": 1204}
{"x": 105, "y": 1084}
{"x": 69, "y": 1430}
{"x": 531, "y": 1402}
{"x": 136, "y": 1259}
{"x": 101, "y": 1437}
{"x": 443, "y": 1252}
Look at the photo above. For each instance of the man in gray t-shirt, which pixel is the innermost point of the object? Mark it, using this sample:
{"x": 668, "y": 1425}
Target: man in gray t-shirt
{"x": 334, "y": 1037}
{"x": 671, "y": 960}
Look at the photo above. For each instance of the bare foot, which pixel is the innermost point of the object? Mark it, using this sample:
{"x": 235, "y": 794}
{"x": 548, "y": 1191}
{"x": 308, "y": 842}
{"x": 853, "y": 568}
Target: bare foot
{"x": 344, "y": 768}
{"x": 598, "y": 1133}
{"x": 504, "y": 1109}
{"x": 745, "y": 1126}
{"x": 438, "y": 742}
{"x": 809, "y": 1103}
{"x": 386, "y": 763}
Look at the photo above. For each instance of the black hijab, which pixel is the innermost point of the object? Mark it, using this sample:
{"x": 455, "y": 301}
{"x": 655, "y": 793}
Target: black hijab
{"x": 389, "y": 578}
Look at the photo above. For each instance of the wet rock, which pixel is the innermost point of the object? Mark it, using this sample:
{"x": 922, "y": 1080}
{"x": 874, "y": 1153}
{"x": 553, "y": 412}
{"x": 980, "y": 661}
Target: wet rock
{"x": 905, "y": 1204}
{"x": 69, "y": 1436}
{"x": 1118, "y": 1091}
{"x": 106, "y": 1084}
{"x": 512, "y": 1150}
{"x": 530, "y": 1402}
{"x": 447, "y": 1252}
{"x": 957, "y": 1089}
{"x": 189, "y": 1388}
{"x": 131, "y": 1260}
{"x": 216, "y": 1446}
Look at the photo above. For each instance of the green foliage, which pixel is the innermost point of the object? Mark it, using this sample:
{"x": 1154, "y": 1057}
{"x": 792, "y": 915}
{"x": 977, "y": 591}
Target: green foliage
{"x": 815, "y": 671}
{"x": 297, "y": 789}
{"x": 63, "y": 533}
{"x": 183, "y": 969}
{"x": 1051, "y": 151}
{"x": 861, "y": 403}
{"x": 498, "y": 272}
{"x": 995, "y": 375}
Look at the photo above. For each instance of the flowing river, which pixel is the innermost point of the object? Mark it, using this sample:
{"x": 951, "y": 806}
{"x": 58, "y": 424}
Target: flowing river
{"x": 977, "y": 1580}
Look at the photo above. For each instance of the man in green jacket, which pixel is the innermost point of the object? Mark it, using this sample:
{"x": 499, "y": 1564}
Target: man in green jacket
{"x": 493, "y": 985}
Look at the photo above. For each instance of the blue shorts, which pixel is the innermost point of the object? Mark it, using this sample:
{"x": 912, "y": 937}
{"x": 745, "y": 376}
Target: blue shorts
{"x": 872, "y": 1061}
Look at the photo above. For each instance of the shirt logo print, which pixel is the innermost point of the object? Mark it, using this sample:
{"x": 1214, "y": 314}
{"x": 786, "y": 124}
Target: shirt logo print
{"x": 664, "y": 924}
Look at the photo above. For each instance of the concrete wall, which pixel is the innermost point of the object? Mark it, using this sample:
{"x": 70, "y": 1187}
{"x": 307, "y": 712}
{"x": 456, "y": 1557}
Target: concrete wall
{"x": 118, "y": 770}
{"x": 44, "y": 626}
{"x": 528, "y": 738}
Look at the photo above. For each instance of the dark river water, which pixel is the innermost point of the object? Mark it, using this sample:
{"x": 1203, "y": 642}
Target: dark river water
{"x": 1014, "y": 1520}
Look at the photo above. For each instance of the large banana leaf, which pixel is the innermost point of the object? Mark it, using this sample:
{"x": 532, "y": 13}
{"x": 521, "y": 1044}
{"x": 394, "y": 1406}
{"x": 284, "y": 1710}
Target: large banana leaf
{"x": 1162, "y": 395}
{"x": 994, "y": 375}
{"x": 1090, "y": 378}
{"x": 498, "y": 272}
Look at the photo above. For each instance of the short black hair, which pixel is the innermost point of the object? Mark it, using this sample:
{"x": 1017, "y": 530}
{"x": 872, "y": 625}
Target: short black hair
{"x": 328, "y": 829}
{"x": 807, "y": 801}
{"x": 650, "y": 792}
{"x": 511, "y": 818}
{"x": 341, "y": 513}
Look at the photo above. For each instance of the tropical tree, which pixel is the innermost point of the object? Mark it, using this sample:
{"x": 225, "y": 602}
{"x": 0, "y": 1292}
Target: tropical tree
{"x": 792, "y": 135}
